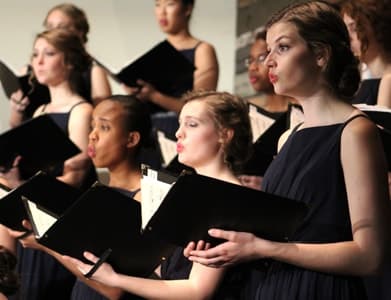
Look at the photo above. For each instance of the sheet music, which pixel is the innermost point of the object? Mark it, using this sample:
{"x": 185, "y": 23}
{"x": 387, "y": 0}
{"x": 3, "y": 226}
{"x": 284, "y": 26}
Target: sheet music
{"x": 259, "y": 122}
{"x": 41, "y": 220}
{"x": 366, "y": 107}
{"x": 153, "y": 192}
{"x": 296, "y": 116}
{"x": 167, "y": 148}
{"x": 3, "y": 192}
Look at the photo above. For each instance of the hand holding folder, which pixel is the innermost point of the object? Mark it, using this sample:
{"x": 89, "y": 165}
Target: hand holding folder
{"x": 37, "y": 93}
{"x": 40, "y": 142}
{"x": 162, "y": 66}
{"x": 184, "y": 211}
{"x": 102, "y": 221}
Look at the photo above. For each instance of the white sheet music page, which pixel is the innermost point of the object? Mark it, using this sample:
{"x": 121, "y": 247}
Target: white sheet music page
{"x": 42, "y": 221}
{"x": 167, "y": 147}
{"x": 259, "y": 122}
{"x": 296, "y": 116}
{"x": 153, "y": 192}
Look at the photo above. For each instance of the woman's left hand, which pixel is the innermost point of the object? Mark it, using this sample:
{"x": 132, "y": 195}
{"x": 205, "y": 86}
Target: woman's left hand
{"x": 239, "y": 247}
{"x": 12, "y": 175}
{"x": 146, "y": 91}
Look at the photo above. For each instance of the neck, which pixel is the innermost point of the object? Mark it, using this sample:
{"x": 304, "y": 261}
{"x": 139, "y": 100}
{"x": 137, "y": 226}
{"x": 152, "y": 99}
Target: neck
{"x": 378, "y": 65}
{"x": 324, "y": 109}
{"x": 221, "y": 172}
{"x": 126, "y": 177}
{"x": 276, "y": 103}
{"x": 177, "y": 39}
{"x": 60, "y": 93}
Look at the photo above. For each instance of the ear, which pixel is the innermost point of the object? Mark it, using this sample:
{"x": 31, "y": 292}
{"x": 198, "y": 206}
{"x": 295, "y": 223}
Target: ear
{"x": 133, "y": 139}
{"x": 226, "y": 136}
{"x": 188, "y": 10}
{"x": 322, "y": 56}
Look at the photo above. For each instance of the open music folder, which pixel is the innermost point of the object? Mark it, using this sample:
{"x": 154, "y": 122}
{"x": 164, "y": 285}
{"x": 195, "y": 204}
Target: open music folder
{"x": 37, "y": 93}
{"x": 51, "y": 194}
{"x": 41, "y": 143}
{"x": 162, "y": 66}
{"x": 105, "y": 222}
{"x": 382, "y": 117}
{"x": 184, "y": 210}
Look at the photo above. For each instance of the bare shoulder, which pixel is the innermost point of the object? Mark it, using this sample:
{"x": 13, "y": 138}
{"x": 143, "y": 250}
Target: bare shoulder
{"x": 205, "y": 48}
{"x": 360, "y": 128}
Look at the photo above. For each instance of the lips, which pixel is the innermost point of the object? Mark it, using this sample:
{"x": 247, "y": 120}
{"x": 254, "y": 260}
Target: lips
{"x": 253, "y": 79}
{"x": 163, "y": 22}
{"x": 179, "y": 148}
{"x": 273, "y": 78}
{"x": 91, "y": 151}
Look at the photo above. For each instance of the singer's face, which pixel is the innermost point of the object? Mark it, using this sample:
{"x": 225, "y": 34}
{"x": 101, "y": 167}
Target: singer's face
{"x": 48, "y": 63}
{"x": 198, "y": 138}
{"x": 172, "y": 15}
{"x": 108, "y": 139}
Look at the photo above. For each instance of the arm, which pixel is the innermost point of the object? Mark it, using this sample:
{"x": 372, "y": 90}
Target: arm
{"x": 100, "y": 86}
{"x": 366, "y": 186}
{"x": 384, "y": 93}
{"x": 30, "y": 242}
{"x": 201, "y": 284}
{"x": 205, "y": 78}
{"x": 76, "y": 167}
{"x": 17, "y": 108}
{"x": 7, "y": 240}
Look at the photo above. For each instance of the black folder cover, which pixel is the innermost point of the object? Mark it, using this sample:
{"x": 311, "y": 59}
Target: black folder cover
{"x": 41, "y": 143}
{"x": 196, "y": 203}
{"x": 163, "y": 66}
{"x": 37, "y": 93}
{"x": 48, "y": 192}
{"x": 265, "y": 147}
{"x": 102, "y": 219}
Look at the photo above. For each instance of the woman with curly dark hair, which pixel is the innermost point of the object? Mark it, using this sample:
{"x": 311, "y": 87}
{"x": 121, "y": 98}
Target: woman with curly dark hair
{"x": 369, "y": 25}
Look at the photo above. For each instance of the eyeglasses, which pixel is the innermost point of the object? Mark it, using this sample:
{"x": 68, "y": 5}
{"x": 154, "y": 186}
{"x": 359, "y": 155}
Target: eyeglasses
{"x": 259, "y": 60}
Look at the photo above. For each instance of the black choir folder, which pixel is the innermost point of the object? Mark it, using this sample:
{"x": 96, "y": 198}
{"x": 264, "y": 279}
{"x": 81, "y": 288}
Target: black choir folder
{"x": 101, "y": 219}
{"x": 37, "y": 93}
{"x": 50, "y": 193}
{"x": 162, "y": 66}
{"x": 41, "y": 143}
{"x": 196, "y": 203}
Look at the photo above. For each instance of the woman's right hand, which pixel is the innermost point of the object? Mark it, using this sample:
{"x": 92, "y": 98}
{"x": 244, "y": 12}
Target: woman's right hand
{"x": 18, "y": 102}
{"x": 104, "y": 274}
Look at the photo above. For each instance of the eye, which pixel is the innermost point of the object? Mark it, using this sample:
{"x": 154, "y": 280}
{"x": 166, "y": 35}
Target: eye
{"x": 283, "y": 48}
{"x": 262, "y": 57}
{"x": 191, "y": 123}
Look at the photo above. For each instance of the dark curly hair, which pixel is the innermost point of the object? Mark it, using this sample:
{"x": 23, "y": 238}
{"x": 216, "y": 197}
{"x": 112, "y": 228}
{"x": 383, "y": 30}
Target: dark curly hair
{"x": 228, "y": 112}
{"x": 322, "y": 27}
{"x": 77, "y": 17}
{"x": 373, "y": 13}
{"x": 75, "y": 55}
{"x": 9, "y": 280}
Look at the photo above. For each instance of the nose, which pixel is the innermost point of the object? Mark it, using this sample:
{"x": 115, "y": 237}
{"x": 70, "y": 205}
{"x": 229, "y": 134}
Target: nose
{"x": 179, "y": 132}
{"x": 93, "y": 135}
{"x": 269, "y": 60}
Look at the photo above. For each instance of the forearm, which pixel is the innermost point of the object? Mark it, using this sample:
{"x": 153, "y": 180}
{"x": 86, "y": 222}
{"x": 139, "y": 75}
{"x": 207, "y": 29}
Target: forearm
{"x": 340, "y": 258}
{"x": 158, "y": 289}
{"x": 109, "y": 292}
{"x": 167, "y": 102}
{"x": 202, "y": 284}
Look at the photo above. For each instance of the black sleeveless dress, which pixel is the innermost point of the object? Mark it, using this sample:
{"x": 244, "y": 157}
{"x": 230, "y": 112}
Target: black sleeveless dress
{"x": 308, "y": 169}
{"x": 367, "y": 92}
{"x": 42, "y": 277}
{"x": 82, "y": 291}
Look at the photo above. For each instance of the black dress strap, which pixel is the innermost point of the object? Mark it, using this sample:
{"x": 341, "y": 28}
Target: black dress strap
{"x": 354, "y": 117}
